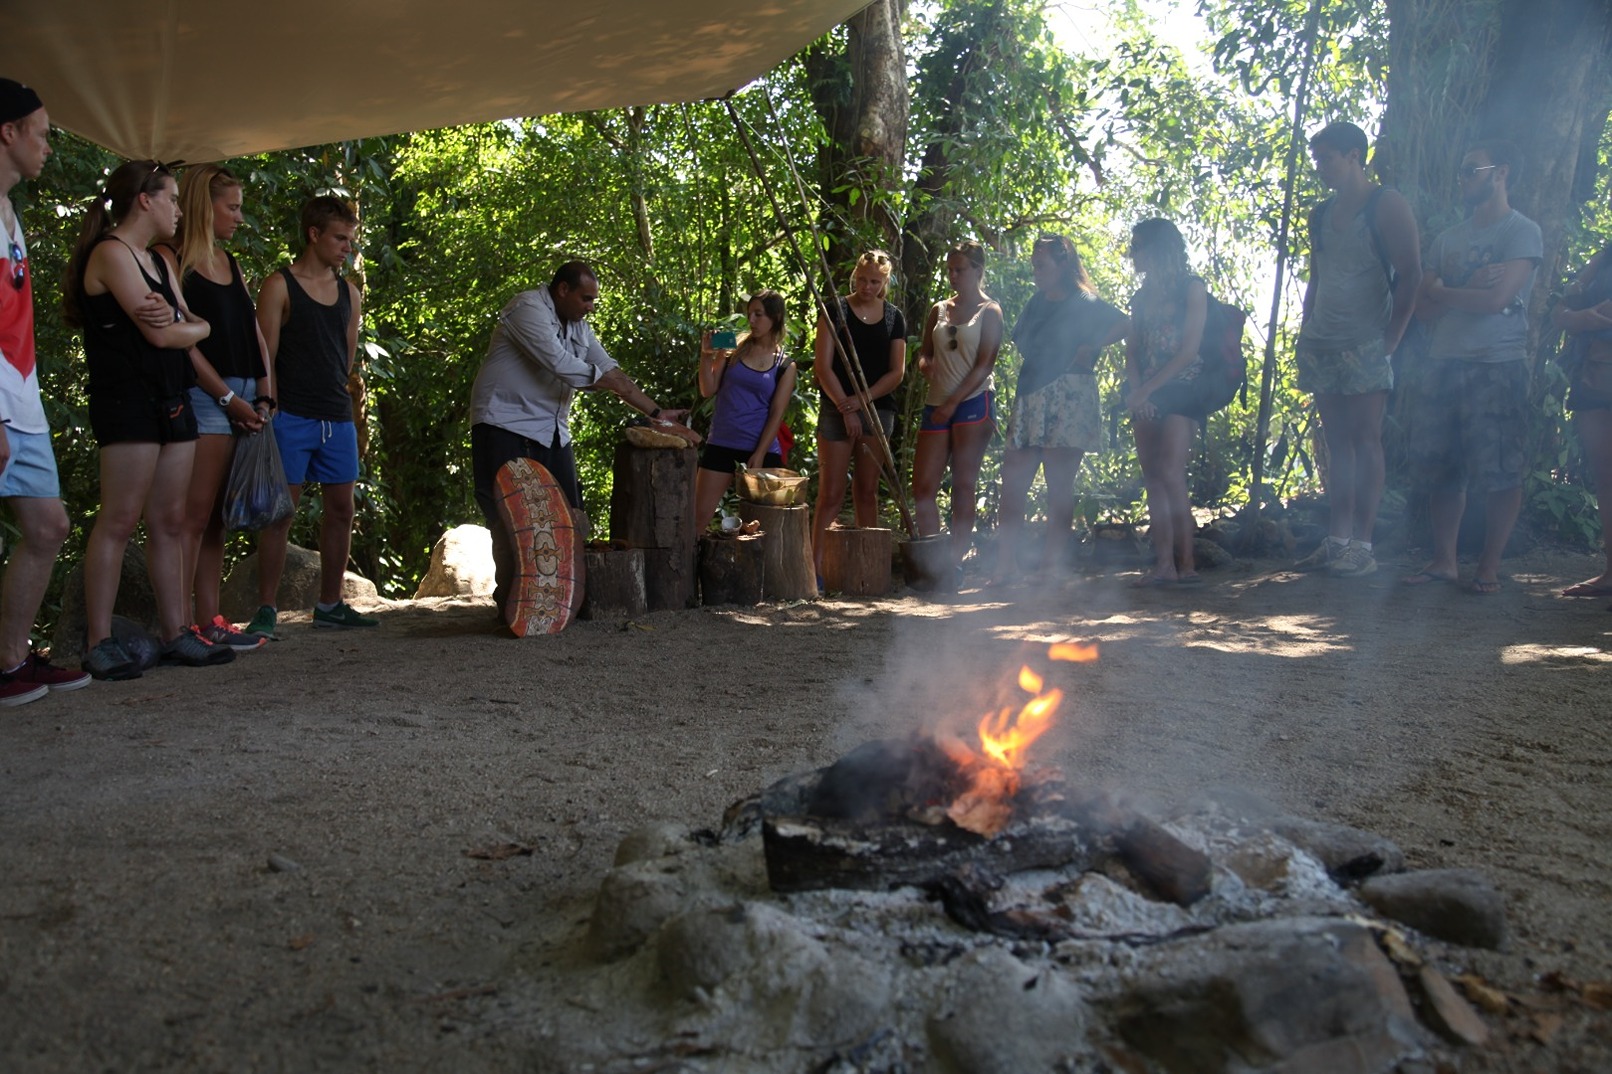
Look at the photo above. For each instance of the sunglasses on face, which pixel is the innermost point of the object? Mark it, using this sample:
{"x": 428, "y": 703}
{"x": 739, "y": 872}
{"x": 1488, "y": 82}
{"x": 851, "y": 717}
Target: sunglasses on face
{"x": 1471, "y": 170}
{"x": 19, "y": 271}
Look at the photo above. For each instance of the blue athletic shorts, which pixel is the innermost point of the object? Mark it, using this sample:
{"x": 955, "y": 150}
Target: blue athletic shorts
{"x": 212, "y": 419}
{"x": 969, "y": 412}
{"x": 313, "y": 450}
{"x": 31, "y": 470}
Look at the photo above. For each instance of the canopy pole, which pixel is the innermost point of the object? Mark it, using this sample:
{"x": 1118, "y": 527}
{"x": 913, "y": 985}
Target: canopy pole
{"x": 859, "y": 382}
{"x": 1268, "y": 374}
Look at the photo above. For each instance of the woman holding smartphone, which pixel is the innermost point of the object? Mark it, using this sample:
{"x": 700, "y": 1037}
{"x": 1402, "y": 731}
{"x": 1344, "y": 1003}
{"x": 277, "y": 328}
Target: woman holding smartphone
{"x": 752, "y": 382}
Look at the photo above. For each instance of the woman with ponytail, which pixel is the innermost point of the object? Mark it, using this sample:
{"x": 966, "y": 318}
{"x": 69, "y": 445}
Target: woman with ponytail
{"x": 136, "y": 347}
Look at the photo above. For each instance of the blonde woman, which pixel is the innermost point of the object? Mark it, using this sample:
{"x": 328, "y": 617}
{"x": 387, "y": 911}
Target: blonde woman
{"x": 233, "y": 394}
{"x": 868, "y": 322}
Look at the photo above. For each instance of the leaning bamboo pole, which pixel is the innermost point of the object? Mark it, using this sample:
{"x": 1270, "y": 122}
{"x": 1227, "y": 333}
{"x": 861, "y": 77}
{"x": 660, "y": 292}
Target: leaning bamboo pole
{"x": 845, "y": 348}
{"x": 1262, "y": 430}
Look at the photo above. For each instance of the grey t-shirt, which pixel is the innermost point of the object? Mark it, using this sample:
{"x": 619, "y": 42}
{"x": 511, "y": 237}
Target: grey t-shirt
{"x": 1456, "y": 255}
{"x": 1353, "y": 302}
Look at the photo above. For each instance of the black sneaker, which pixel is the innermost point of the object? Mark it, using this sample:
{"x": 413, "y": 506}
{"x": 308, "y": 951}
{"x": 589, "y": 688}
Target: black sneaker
{"x": 110, "y": 661}
{"x": 192, "y": 650}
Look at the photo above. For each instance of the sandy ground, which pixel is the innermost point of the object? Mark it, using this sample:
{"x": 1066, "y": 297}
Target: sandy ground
{"x": 143, "y": 928}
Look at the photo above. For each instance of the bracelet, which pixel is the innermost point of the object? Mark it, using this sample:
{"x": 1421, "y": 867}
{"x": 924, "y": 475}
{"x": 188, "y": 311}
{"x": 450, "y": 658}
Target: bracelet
{"x": 654, "y": 415}
{"x": 269, "y": 399}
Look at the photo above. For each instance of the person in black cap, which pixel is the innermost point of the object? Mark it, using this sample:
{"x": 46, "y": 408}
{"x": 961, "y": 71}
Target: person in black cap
{"x": 28, "y": 482}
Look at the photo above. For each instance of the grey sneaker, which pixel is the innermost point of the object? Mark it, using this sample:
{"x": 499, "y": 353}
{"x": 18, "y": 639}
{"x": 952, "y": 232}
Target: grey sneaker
{"x": 1321, "y": 558}
{"x": 110, "y": 661}
{"x": 221, "y": 632}
{"x": 343, "y": 617}
{"x": 194, "y": 651}
{"x": 262, "y": 623}
{"x": 1355, "y": 561}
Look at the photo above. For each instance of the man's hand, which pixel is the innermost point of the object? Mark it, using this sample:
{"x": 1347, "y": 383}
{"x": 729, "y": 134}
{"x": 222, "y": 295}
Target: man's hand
{"x": 154, "y": 311}
{"x": 675, "y": 416}
{"x": 663, "y": 426}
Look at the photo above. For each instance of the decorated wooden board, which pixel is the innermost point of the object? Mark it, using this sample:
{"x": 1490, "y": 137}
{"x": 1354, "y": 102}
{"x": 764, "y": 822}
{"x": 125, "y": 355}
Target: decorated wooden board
{"x": 548, "y": 586}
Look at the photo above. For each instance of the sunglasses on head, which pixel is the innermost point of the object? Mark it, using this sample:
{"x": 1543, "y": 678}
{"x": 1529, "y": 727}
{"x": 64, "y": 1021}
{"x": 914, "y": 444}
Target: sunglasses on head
{"x": 951, "y": 337}
{"x": 19, "y": 271}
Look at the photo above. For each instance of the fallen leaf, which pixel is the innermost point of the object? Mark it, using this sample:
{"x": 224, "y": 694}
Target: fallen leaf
{"x": 299, "y": 943}
{"x": 1598, "y": 994}
{"x": 1396, "y": 947}
{"x": 1482, "y": 993}
{"x": 499, "y": 851}
{"x": 1545, "y": 1027}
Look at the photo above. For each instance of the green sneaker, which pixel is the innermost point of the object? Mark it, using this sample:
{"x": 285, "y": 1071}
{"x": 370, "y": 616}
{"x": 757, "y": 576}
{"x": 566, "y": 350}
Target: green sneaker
{"x": 263, "y": 623}
{"x": 343, "y": 617}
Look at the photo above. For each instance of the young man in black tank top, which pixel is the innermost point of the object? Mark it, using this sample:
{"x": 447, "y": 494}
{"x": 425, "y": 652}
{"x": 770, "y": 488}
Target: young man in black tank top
{"x": 309, "y": 317}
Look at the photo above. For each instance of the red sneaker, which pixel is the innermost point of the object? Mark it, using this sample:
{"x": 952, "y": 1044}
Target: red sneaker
{"x": 14, "y": 691}
{"x": 39, "y": 671}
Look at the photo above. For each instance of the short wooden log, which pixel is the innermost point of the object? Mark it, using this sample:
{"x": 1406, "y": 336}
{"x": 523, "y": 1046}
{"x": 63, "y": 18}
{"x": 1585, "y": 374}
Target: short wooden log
{"x": 856, "y": 562}
{"x": 615, "y": 584}
{"x": 652, "y": 508}
{"x": 787, "y": 531}
{"x": 732, "y": 569}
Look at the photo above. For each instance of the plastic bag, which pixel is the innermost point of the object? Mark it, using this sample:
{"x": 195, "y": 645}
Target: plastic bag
{"x": 256, "y": 494}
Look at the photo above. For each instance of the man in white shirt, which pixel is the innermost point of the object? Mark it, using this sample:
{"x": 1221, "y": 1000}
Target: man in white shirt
{"x": 542, "y": 353}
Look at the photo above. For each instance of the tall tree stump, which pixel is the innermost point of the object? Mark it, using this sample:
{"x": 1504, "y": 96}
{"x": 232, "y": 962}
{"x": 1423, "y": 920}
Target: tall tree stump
{"x": 732, "y": 569}
{"x": 787, "y": 573}
{"x": 615, "y": 584}
{"x": 652, "y": 508}
{"x": 857, "y": 562}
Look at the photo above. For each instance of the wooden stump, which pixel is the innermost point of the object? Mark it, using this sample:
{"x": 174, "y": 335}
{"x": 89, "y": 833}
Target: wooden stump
{"x": 652, "y": 508}
{"x": 615, "y": 584}
{"x": 787, "y": 573}
{"x": 856, "y": 562}
{"x": 731, "y": 569}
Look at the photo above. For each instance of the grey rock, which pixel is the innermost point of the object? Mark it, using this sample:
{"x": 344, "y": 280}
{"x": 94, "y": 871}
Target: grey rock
{"x": 279, "y": 863}
{"x": 635, "y": 900}
{"x": 1458, "y": 905}
{"x": 1349, "y": 854}
{"x": 461, "y": 565}
{"x": 652, "y": 841}
{"x": 1001, "y": 1016}
{"x": 299, "y": 585}
{"x": 1209, "y": 555}
{"x": 1303, "y": 994}
{"x": 136, "y": 601}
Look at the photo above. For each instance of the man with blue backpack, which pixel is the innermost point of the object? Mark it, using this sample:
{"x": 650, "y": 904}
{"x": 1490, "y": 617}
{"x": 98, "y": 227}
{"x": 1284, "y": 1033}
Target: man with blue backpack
{"x": 1365, "y": 268}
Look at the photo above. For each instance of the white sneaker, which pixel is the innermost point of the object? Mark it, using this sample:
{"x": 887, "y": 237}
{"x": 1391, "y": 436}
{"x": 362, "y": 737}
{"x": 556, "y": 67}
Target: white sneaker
{"x": 1355, "y": 561}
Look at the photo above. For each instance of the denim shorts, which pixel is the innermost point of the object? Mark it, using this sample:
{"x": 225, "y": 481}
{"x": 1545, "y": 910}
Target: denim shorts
{"x": 31, "y": 471}
{"x": 314, "y": 450}
{"x": 970, "y": 411}
{"x": 212, "y": 419}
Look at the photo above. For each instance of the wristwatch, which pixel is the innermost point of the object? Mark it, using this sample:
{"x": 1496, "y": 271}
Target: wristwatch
{"x": 227, "y": 398}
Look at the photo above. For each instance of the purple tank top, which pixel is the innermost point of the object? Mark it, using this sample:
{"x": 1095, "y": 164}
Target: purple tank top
{"x": 742, "y": 403}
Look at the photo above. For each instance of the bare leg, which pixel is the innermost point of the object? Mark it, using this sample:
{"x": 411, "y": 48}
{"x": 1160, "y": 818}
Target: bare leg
{"x": 1062, "y": 465}
{"x": 204, "y": 528}
{"x": 335, "y": 538}
{"x": 1176, "y": 445}
{"x": 165, "y": 536}
{"x": 833, "y": 458}
{"x": 1595, "y": 433}
{"x": 1019, "y": 466}
{"x": 928, "y": 468}
{"x": 1500, "y": 515}
{"x": 272, "y": 543}
{"x": 126, "y": 474}
{"x": 1151, "y": 453}
{"x": 1446, "y": 505}
{"x": 1353, "y": 425}
{"x": 43, "y": 526}
{"x": 865, "y": 471}
{"x": 709, "y": 487}
{"x": 968, "y": 452}
{"x": 1341, "y": 476}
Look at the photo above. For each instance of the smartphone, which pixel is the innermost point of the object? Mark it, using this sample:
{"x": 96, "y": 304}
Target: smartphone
{"x": 723, "y": 340}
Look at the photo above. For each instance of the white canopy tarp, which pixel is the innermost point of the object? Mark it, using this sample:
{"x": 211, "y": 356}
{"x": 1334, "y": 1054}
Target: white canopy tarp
{"x": 204, "y": 80}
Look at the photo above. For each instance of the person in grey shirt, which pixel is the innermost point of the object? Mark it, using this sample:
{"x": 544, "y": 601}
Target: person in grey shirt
{"x": 1472, "y": 428}
{"x": 542, "y": 353}
{"x": 1365, "y": 267}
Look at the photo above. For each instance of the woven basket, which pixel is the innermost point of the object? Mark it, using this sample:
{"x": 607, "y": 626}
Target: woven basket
{"x": 775, "y": 487}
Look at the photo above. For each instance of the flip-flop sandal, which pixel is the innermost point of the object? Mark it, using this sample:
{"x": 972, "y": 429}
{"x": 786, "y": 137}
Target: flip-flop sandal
{"x": 1587, "y": 589}
{"x": 1426, "y": 578}
{"x": 1484, "y": 589}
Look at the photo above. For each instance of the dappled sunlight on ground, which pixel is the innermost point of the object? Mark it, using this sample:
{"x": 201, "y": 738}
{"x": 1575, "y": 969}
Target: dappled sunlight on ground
{"x": 1295, "y": 636}
{"x": 1559, "y": 655}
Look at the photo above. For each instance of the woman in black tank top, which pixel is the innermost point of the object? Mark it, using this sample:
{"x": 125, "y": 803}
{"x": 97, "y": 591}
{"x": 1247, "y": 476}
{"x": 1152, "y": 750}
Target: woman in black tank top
{"x": 233, "y": 394}
{"x": 137, "y": 332}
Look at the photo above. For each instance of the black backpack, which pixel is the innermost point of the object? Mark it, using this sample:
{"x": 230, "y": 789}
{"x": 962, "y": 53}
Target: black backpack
{"x": 1225, "y": 364}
